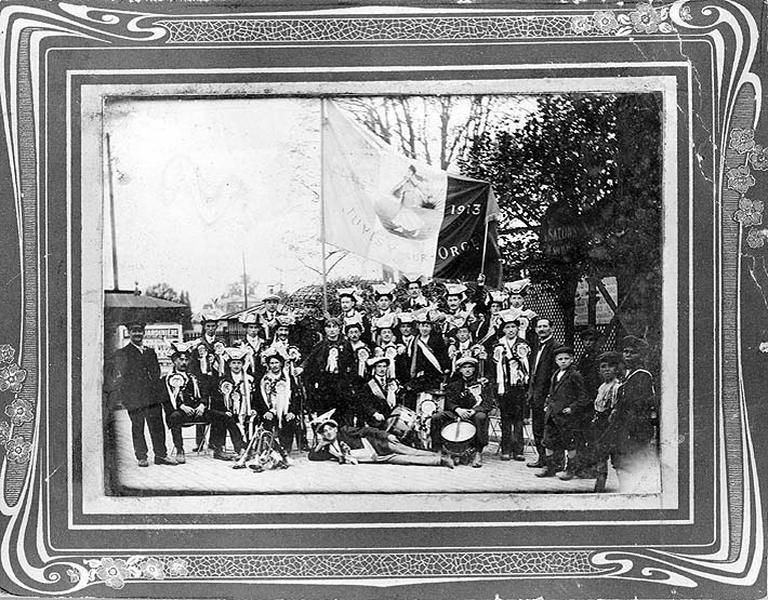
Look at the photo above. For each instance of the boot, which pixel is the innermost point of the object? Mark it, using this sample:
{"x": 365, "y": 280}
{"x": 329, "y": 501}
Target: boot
{"x": 549, "y": 468}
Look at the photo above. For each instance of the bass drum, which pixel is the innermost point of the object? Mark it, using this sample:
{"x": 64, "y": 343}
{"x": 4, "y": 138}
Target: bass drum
{"x": 401, "y": 421}
{"x": 458, "y": 437}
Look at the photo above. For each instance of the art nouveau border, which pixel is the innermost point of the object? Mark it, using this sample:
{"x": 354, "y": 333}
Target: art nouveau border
{"x": 737, "y": 557}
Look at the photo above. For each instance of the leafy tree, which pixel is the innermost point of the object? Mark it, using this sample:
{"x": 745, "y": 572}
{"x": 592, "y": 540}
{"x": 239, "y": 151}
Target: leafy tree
{"x": 589, "y": 166}
{"x": 166, "y": 292}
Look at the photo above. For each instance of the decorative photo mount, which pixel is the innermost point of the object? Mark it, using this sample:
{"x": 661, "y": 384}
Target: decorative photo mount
{"x": 62, "y": 536}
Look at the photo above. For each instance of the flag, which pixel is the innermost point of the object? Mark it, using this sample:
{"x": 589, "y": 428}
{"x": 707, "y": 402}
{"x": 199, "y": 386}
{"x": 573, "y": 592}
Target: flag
{"x": 404, "y": 213}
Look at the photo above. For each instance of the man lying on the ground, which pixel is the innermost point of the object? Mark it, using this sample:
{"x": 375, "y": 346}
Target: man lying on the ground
{"x": 353, "y": 445}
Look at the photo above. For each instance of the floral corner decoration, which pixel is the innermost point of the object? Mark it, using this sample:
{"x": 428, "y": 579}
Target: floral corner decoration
{"x": 740, "y": 179}
{"x": 645, "y": 19}
{"x": 19, "y": 411}
{"x": 114, "y": 572}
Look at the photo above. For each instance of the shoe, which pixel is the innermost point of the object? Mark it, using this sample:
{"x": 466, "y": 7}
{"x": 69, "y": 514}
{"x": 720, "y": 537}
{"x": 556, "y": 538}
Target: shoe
{"x": 505, "y": 456}
{"x": 143, "y": 462}
{"x": 565, "y": 475}
{"x": 539, "y": 464}
{"x": 446, "y": 461}
{"x": 165, "y": 460}
{"x": 548, "y": 470}
{"x": 219, "y": 455}
{"x": 256, "y": 468}
{"x": 477, "y": 462}
{"x": 180, "y": 458}
{"x": 518, "y": 457}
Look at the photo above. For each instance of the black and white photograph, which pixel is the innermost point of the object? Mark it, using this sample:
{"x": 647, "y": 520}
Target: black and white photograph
{"x": 318, "y": 300}
{"x": 467, "y": 282}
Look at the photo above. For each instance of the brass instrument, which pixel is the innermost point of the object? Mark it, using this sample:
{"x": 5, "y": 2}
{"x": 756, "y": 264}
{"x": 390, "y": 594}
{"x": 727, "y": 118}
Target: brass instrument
{"x": 263, "y": 447}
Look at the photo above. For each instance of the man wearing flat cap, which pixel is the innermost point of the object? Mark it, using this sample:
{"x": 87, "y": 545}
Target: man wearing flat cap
{"x": 137, "y": 382}
{"x": 268, "y": 316}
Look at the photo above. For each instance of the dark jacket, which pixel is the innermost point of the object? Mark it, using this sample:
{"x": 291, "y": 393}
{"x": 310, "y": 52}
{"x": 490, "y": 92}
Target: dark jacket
{"x": 541, "y": 374}
{"x": 634, "y": 414}
{"x": 374, "y": 400}
{"x": 192, "y": 394}
{"x": 218, "y": 400}
{"x": 457, "y": 395}
{"x": 569, "y": 392}
{"x": 137, "y": 377}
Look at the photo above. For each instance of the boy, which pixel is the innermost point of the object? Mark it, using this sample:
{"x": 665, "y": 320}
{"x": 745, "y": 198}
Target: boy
{"x": 564, "y": 413}
{"x": 599, "y": 440}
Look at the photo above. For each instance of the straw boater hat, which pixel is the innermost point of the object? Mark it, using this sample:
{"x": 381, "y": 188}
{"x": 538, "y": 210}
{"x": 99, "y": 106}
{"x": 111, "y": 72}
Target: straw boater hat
{"x": 271, "y": 297}
{"x": 384, "y": 289}
{"x": 517, "y": 287}
{"x": 372, "y": 362}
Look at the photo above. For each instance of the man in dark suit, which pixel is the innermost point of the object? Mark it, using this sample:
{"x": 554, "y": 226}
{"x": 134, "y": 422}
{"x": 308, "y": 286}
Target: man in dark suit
{"x": 542, "y": 367}
{"x": 137, "y": 375}
{"x": 327, "y": 373}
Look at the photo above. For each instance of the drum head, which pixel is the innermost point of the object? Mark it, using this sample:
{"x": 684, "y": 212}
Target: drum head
{"x": 427, "y": 407}
{"x": 458, "y": 431}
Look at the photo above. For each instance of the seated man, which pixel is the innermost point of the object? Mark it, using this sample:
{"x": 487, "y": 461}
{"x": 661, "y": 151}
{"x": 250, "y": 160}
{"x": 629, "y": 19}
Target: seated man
{"x": 231, "y": 402}
{"x": 468, "y": 399}
{"x": 186, "y": 402}
{"x": 277, "y": 389}
{"x": 379, "y": 393}
{"x": 353, "y": 445}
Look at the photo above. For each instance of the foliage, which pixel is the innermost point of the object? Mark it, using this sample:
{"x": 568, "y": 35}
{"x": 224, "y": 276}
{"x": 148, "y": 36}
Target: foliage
{"x": 599, "y": 158}
{"x": 435, "y": 129}
{"x": 166, "y": 292}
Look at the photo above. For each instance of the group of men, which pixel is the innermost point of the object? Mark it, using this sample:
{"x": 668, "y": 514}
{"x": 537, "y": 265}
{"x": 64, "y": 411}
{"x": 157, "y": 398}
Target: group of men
{"x": 470, "y": 350}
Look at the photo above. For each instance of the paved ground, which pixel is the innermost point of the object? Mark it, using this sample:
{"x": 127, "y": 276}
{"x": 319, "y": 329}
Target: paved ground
{"x": 204, "y": 475}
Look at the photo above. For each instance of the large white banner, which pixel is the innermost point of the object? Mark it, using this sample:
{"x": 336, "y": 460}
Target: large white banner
{"x": 377, "y": 203}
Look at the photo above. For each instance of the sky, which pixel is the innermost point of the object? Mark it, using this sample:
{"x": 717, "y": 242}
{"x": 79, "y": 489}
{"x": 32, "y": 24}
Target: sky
{"x": 200, "y": 185}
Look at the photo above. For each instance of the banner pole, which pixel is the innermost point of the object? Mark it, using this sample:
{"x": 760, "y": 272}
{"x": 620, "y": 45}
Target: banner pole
{"x": 322, "y": 204}
{"x": 485, "y": 235}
